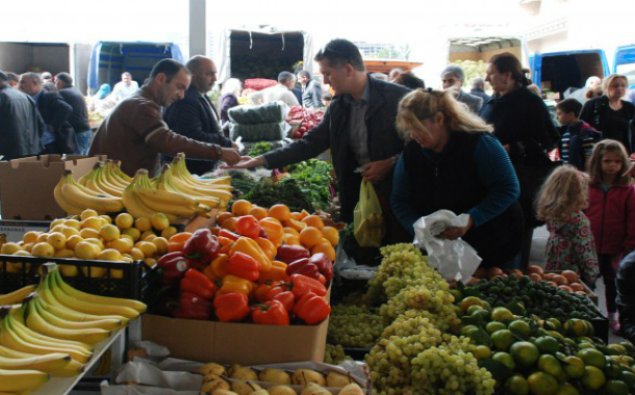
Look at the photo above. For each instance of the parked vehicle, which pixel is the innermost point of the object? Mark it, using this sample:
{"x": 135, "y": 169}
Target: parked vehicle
{"x": 624, "y": 63}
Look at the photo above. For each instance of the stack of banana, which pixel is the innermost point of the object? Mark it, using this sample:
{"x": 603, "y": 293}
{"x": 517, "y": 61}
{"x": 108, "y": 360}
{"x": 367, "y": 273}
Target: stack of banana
{"x": 74, "y": 197}
{"x": 107, "y": 178}
{"x": 54, "y": 330}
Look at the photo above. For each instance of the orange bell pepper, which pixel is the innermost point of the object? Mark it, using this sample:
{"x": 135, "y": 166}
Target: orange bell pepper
{"x": 225, "y": 244}
{"x": 219, "y": 265}
{"x": 278, "y": 272}
{"x": 177, "y": 241}
{"x": 232, "y": 283}
{"x": 251, "y": 248}
{"x": 267, "y": 247}
{"x": 273, "y": 229}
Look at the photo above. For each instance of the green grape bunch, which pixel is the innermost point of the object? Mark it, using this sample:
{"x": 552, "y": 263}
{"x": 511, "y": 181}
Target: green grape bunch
{"x": 354, "y": 326}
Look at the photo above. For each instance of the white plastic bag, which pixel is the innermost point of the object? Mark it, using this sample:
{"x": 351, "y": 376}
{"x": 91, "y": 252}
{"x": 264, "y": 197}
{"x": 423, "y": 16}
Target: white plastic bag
{"x": 454, "y": 259}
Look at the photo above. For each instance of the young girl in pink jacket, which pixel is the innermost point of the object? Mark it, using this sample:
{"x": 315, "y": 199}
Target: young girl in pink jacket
{"x": 611, "y": 212}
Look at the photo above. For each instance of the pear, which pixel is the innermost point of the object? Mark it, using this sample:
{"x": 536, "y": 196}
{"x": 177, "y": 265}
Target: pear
{"x": 211, "y": 368}
{"x": 244, "y": 387}
{"x": 304, "y": 376}
{"x": 213, "y": 382}
{"x": 315, "y": 389}
{"x": 275, "y": 376}
{"x": 223, "y": 392}
{"x": 351, "y": 389}
{"x": 281, "y": 390}
{"x": 337, "y": 379}
{"x": 239, "y": 372}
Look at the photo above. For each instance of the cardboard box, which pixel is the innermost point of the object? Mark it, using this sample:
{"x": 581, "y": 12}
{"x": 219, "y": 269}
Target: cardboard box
{"x": 247, "y": 344}
{"x": 26, "y": 184}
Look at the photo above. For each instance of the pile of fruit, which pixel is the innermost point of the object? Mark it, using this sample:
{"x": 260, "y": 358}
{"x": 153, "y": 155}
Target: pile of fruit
{"x": 545, "y": 357}
{"x": 354, "y": 326}
{"x": 306, "y": 118}
{"x": 175, "y": 192}
{"x": 567, "y": 280}
{"x": 52, "y": 330}
{"x": 250, "y": 268}
{"x": 243, "y": 380}
{"x": 91, "y": 236}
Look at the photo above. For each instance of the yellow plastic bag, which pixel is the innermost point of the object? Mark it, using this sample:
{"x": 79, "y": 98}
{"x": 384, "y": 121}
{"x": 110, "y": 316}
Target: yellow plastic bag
{"x": 368, "y": 220}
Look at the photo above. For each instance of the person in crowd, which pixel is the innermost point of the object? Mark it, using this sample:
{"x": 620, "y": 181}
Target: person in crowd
{"x": 279, "y": 92}
{"x": 79, "y": 116}
{"x": 561, "y": 201}
{"x": 523, "y": 125}
{"x": 326, "y": 99}
{"x": 229, "y": 94}
{"x": 592, "y": 88}
{"x": 576, "y": 137}
{"x": 124, "y": 88}
{"x": 409, "y": 80}
{"x": 103, "y": 91}
{"x": 13, "y": 79}
{"x": 195, "y": 116}
{"x": 478, "y": 89}
{"x": 625, "y": 300}
{"x": 609, "y": 114}
{"x": 47, "y": 81}
{"x": 611, "y": 212}
{"x": 20, "y": 122}
{"x": 394, "y": 73}
{"x": 379, "y": 76}
{"x": 452, "y": 78}
{"x": 58, "y": 136}
{"x": 359, "y": 128}
{"x": 533, "y": 88}
{"x": 136, "y": 134}
{"x": 452, "y": 153}
{"x": 311, "y": 90}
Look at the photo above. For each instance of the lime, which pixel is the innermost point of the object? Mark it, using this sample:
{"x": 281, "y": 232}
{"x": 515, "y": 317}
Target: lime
{"x": 493, "y": 326}
{"x": 593, "y": 378}
{"x": 505, "y": 359}
{"x": 541, "y": 383}
{"x": 470, "y": 301}
{"x": 547, "y": 344}
{"x": 520, "y": 328}
{"x": 550, "y": 364}
{"x": 516, "y": 385}
{"x": 502, "y": 339}
{"x": 592, "y": 357}
{"x": 616, "y": 387}
{"x": 567, "y": 389}
{"x": 573, "y": 367}
{"x": 502, "y": 314}
{"x": 525, "y": 353}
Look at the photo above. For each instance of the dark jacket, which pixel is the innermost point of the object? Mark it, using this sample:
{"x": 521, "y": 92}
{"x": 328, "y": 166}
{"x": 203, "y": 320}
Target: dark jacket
{"x": 474, "y": 103}
{"x": 312, "y": 95}
{"x": 56, "y": 114}
{"x": 595, "y": 112}
{"x": 192, "y": 117}
{"x": 333, "y": 132}
{"x": 581, "y": 139}
{"x": 624, "y": 280}
{"x": 480, "y": 93}
{"x": 79, "y": 116}
{"x": 20, "y": 124}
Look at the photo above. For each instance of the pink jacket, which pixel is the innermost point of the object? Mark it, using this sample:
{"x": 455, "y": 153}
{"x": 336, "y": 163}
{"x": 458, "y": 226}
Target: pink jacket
{"x": 612, "y": 216}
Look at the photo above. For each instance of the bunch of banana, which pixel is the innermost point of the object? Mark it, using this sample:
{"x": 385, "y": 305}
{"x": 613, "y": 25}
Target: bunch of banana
{"x": 104, "y": 178}
{"x": 142, "y": 199}
{"x": 16, "y": 296}
{"x": 74, "y": 197}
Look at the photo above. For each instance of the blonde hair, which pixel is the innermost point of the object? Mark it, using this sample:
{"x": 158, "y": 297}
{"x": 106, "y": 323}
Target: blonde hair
{"x": 422, "y": 103}
{"x": 608, "y": 80}
{"x": 594, "y": 167}
{"x": 564, "y": 192}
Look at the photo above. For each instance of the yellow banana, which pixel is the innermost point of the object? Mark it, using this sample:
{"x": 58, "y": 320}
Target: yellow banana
{"x": 133, "y": 203}
{"x": 108, "y": 173}
{"x": 16, "y": 296}
{"x": 90, "y": 336}
{"x": 18, "y": 324}
{"x": 180, "y": 168}
{"x": 106, "y": 324}
{"x": 61, "y": 200}
{"x": 133, "y": 304}
{"x": 167, "y": 202}
{"x": 101, "y": 203}
{"x": 72, "y": 368}
{"x": 104, "y": 184}
{"x": 67, "y": 314}
{"x": 116, "y": 170}
{"x": 21, "y": 380}
{"x": 194, "y": 190}
{"x": 46, "y": 363}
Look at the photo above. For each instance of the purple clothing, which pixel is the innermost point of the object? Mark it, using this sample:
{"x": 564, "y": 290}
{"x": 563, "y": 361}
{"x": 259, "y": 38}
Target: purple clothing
{"x": 227, "y": 101}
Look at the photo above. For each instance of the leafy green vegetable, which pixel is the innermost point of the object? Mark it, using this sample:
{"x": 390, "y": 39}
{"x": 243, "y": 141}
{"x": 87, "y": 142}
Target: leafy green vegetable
{"x": 260, "y": 148}
{"x": 314, "y": 178}
{"x": 267, "y": 193}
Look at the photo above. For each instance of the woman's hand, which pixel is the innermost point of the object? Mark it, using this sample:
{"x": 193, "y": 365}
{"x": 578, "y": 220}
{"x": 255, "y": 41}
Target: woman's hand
{"x": 454, "y": 232}
{"x": 247, "y": 162}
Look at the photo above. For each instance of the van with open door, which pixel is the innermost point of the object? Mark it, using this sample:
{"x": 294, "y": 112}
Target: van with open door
{"x": 624, "y": 63}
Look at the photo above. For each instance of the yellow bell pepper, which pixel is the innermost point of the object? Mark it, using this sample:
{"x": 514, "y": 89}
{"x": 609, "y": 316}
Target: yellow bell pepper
{"x": 251, "y": 248}
{"x": 273, "y": 229}
{"x": 219, "y": 265}
{"x": 233, "y": 283}
{"x": 278, "y": 272}
{"x": 267, "y": 247}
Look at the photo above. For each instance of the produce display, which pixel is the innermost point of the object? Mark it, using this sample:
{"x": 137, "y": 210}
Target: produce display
{"x": 354, "y": 326}
{"x": 52, "y": 331}
{"x": 306, "y": 118}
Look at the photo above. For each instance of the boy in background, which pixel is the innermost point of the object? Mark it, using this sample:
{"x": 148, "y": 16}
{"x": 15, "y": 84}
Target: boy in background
{"x": 578, "y": 137}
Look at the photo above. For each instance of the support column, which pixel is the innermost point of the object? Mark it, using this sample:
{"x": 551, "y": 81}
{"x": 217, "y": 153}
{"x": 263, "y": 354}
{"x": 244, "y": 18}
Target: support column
{"x": 197, "y": 26}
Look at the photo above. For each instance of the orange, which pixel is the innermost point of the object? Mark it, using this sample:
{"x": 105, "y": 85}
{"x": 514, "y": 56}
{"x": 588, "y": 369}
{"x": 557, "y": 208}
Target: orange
{"x": 291, "y": 239}
{"x": 258, "y": 212}
{"x": 280, "y": 212}
{"x": 313, "y": 220}
{"x": 302, "y": 214}
{"x": 326, "y": 248}
{"x": 223, "y": 216}
{"x": 297, "y": 225}
{"x": 241, "y": 207}
{"x": 310, "y": 236}
{"x": 230, "y": 223}
{"x": 331, "y": 234}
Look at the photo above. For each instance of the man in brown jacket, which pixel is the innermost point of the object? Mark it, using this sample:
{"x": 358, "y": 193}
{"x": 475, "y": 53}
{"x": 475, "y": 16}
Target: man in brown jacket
{"x": 136, "y": 134}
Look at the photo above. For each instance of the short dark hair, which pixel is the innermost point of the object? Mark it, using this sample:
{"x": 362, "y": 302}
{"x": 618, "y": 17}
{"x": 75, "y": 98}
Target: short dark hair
{"x": 506, "y": 62}
{"x": 12, "y": 76}
{"x": 65, "y": 78}
{"x": 304, "y": 73}
{"x": 33, "y": 76}
{"x": 409, "y": 80}
{"x": 285, "y": 76}
{"x": 169, "y": 67}
{"x": 340, "y": 52}
{"x": 570, "y": 106}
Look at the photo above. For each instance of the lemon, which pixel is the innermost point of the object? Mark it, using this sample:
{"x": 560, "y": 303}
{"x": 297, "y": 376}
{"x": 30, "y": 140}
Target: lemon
{"x": 124, "y": 221}
{"x": 88, "y": 233}
{"x": 109, "y": 232}
{"x": 133, "y": 233}
{"x": 86, "y": 250}
{"x": 72, "y": 241}
{"x": 136, "y": 254}
{"x": 68, "y": 270}
{"x": 147, "y": 248}
{"x": 148, "y": 235}
{"x": 159, "y": 221}
{"x": 68, "y": 231}
{"x": 143, "y": 224}
{"x": 109, "y": 254}
{"x": 123, "y": 244}
{"x": 150, "y": 262}
{"x": 92, "y": 223}
{"x": 30, "y": 236}
{"x": 56, "y": 222}
{"x": 168, "y": 232}
{"x": 42, "y": 237}
{"x": 72, "y": 223}
{"x": 97, "y": 242}
{"x": 88, "y": 213}
{"x": 10, "y": 248}
{"x": 57, "y": 240}
{"x": 106, "y": 218}
{"x": 162, "y": 245}
{"x": 64, "y": 253}
{"x": 43, "y": 249}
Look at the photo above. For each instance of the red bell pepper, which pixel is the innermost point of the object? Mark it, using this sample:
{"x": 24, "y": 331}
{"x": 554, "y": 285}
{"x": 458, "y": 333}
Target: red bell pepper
{"x": 287, "y": 299}
{"x": 272, "y": 312}
{"x": 312, "y": 308}
{"x": 248, "y": 226}
{"x": 261, "y": 293}
{"x": 301, "y": 285}
{"x": 172, "y": 267}
{"x": 303, "y": 266}
{"x": 194, "y": 307}
{"x": 201, "y": 248}
{"x": 243, "y": 266}
{"x": 231, "y": 306}
{"x": 289, "y": 253}
{"x": 198, "y": 284}
{"x": 324, "y": 265}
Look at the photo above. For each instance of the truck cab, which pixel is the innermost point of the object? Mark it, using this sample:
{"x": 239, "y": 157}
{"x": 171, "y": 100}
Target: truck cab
{"x": 624, "y": 63}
